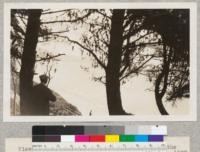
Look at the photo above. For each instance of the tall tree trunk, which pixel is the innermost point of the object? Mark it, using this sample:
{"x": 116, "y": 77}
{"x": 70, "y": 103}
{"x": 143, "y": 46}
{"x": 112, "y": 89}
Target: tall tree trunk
{"x": 113, "y": 67}
{"x": 28, "y": 59}
{"x": 163, "y": 78}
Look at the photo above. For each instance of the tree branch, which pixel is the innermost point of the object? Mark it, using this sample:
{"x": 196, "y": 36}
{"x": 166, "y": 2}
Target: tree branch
{"x": 51, "y": 33}
{"x": 85, "y": 48}
{"x": 50, "y": 57}
{"x": 103, "y": 14}
{"x": 133, "y": 32}
{"x": 136, "y": 69}
{"x": 148, "y": 33}
{"x": 149, "y": 43}
{"x": 123, "y": 70}
{"x": 68, "y": 21}
{"x": 99, "y": 80}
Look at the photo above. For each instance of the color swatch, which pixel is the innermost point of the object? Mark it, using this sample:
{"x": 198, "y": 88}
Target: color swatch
{"x": 98, "y": 138}
{"x": 111, "y": 138}
{"x": 97, "y": 134}
{"x": 99, "y": 130}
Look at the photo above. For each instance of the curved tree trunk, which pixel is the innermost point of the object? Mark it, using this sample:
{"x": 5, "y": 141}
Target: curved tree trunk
{"x": 163, "y": 78}
{"x": 159, "y": 97}
{"x": 28, "y": 59}
{"x": 113, "y": 67}
{"x": 160, "y": 105}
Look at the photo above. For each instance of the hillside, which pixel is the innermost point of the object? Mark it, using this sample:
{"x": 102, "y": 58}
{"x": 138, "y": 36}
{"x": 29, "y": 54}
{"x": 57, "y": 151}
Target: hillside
{"x": 59, "y": 108}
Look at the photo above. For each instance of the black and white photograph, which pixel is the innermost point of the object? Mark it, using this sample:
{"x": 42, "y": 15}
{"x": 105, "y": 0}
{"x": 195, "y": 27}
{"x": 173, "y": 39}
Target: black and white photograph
{"x": 128, "y": 61}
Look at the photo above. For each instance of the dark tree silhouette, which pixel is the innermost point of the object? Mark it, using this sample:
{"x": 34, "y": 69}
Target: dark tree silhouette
{"x": 109, "y": 43}
{"x": 176, "y": 36}
{"x": 173, "y": 76}
{"x": 28, "y": 58}
{"x": 163, "y": 76}
{"x": 114, "y": 64}
{"x": 23, "y": 48}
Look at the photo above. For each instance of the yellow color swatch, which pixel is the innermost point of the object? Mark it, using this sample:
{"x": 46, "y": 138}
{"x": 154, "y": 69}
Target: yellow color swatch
{"x": 112, "y": 138}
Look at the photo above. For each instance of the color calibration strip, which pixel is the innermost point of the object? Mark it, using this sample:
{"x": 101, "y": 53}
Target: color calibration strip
{"x": 98, "y": 138}
{"x": 99, "y": 130}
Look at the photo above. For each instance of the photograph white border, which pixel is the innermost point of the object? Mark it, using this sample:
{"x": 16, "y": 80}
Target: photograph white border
{"x": 192, "y": 116}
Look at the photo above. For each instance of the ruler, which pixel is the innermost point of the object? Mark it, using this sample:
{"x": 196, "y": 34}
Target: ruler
{"x": 95, "y": 147}
{"x": 170, "y": 144}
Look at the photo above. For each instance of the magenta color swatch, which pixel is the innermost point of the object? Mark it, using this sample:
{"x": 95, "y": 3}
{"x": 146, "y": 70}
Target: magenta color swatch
{"x": 82, "y": 138}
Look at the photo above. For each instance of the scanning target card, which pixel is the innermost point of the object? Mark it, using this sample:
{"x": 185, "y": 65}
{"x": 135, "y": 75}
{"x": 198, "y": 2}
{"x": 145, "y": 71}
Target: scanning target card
{"x": 100, "y": 62}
